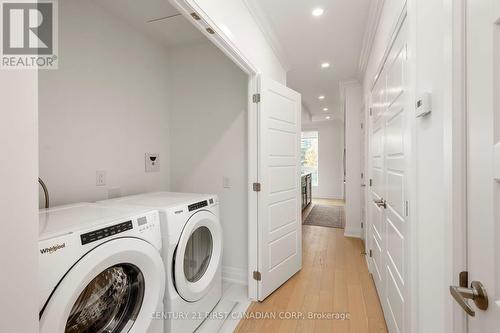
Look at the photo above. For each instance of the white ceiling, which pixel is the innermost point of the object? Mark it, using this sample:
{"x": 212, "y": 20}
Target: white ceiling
{"x": 156, "y": 18}
{"x": 305, "y": 41}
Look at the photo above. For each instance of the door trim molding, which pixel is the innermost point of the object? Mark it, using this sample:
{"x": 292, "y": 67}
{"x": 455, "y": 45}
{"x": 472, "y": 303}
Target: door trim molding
{"x": 455, "y": 140}
{"x": 224, "y": 43}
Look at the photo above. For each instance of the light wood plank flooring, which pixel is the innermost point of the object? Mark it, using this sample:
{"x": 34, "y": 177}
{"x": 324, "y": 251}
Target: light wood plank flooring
{"x": 334, "y": 278}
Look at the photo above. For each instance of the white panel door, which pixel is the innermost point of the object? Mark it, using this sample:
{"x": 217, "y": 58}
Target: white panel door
{"x": 376, "y": 183}
{"x": 279, "y": 203}
{"x": 483, "y": 160}
{"x": 388, "y": 209}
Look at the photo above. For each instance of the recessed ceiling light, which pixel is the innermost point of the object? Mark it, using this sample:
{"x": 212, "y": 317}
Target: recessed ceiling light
{"x": 325, "y": 109}
{"x": 325, "y": 65}
{"x": 328, "y": 117}
{"x": 321, "y": 97}
{"x": 318, "y": 11}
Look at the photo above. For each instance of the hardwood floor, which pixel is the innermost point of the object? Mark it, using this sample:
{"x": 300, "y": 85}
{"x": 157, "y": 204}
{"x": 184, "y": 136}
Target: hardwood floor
{"x": 334, "y": 280}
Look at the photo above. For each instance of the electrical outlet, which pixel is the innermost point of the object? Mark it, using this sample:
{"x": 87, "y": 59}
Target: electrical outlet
{"x": 100, "y": 178}
{"x": 152, "y": 162}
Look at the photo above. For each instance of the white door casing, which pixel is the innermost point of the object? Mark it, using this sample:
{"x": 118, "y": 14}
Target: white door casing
{"x": 483, "y": 158}
{"x": 388, "y": 158}
{"x": 279, "y": 204}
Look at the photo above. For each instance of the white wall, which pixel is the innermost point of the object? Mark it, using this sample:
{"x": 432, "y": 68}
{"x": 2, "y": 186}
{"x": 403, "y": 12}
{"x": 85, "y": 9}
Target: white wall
{"x": 103, "y": 109}
{"x": 118, "y": 94}
{"x": 353, "y": 96}
{"x": 18, "y": 201}
{"x": 433, "y": 73}
{"x": 330, "y": 163}
{"x": 234, "y": 18}
{"x": 209, "y": 140}
{"x": 305, "y": 115}
{"x": 430, "y": 27}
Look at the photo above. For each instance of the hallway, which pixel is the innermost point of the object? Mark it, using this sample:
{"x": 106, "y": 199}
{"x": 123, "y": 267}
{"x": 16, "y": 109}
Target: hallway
{"x": 334, "y": 279}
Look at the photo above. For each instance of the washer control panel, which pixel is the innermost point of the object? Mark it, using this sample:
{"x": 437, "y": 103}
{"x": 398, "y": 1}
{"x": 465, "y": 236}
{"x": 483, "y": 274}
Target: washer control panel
{"x": 96, "y": 235}
{"x": 198, "y": 205}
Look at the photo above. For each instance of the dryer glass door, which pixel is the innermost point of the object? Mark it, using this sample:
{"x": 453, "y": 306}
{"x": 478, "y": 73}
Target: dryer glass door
{"x": 198, "y": 256}
{"x": 198, "y": 253}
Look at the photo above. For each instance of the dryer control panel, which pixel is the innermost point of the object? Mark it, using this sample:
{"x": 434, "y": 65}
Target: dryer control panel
{"x": 96, "y": 235}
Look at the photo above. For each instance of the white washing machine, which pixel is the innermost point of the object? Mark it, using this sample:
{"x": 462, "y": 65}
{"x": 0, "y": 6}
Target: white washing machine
{"x": 192, "y": 253}
{"x": 100, "y": 270}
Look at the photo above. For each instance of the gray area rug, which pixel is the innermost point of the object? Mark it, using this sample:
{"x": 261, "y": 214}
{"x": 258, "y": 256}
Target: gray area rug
{"x": 326, "y": 216}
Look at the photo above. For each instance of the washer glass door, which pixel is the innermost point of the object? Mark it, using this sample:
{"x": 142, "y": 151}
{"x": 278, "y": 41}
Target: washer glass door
{"x": 109, "y": 303}
{"x": 198, "y": 256}
{"x": 114, "y": 288}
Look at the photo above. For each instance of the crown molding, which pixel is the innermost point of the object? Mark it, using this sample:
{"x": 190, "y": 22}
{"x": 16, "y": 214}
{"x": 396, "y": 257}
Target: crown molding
{"x": 265, "y": 26}
{"x": 372, "y": 24}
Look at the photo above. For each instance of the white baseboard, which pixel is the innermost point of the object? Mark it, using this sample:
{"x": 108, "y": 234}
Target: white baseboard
{"x": 354, "y": 233}
{"x": 234, "y": 275}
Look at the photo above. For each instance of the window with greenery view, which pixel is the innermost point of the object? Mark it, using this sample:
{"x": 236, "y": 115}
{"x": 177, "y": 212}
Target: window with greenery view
{"x": 309, "y": 155}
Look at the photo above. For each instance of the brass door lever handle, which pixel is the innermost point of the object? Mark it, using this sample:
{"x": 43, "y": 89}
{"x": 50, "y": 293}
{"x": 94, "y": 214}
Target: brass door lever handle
{"x": 477, "y": 293}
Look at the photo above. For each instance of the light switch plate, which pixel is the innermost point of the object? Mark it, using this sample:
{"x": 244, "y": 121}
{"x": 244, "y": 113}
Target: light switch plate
{"x": 152, "y": 161}
{"x": 496, "y": 161}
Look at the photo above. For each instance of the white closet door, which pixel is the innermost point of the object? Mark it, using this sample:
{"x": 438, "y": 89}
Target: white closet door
{"x": 389, "y": 220}
{"x": 279, "y": 204}
{"x": 395, "y": 221}
{"x": 377, "y": 191}
{"x": 483, "y": 163}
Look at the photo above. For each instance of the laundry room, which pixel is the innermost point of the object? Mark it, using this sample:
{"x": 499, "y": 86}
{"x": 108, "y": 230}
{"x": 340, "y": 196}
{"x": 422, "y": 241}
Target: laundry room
{"x": 143, "y": 102}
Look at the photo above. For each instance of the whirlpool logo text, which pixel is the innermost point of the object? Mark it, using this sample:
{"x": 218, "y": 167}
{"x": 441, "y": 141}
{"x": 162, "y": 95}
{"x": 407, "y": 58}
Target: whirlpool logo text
{"x": 52, "y": 249}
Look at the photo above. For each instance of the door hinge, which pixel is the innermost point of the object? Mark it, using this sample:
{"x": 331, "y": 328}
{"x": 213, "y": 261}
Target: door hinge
{"x": 371, "y": 111}
{"x": 371, "y": 182}
{"x": 256, "y": 275}
{"x": 361, "y": 225}
{"x": 361, "y": 125}
{"x": 407, "y": 208}
{"x": 257, "y": 187}
{"x": 256, "y": 98}
{"x": 371, "y": 253}
{"x": 362, "y": 175}
{"x": 195, "y": 16}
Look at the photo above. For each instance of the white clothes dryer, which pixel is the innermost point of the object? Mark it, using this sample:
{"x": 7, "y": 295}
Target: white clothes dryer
{"x": 100, "y": 270}
{"x": 192, "y": 253}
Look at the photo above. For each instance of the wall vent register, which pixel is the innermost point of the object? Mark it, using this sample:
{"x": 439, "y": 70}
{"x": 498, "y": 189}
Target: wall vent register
{"x": 96, "y": 235}
{"x": 198, "y": 205}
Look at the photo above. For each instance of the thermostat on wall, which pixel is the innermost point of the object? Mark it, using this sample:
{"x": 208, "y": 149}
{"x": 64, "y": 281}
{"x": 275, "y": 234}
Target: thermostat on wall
{"x": 424, "y": 105}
